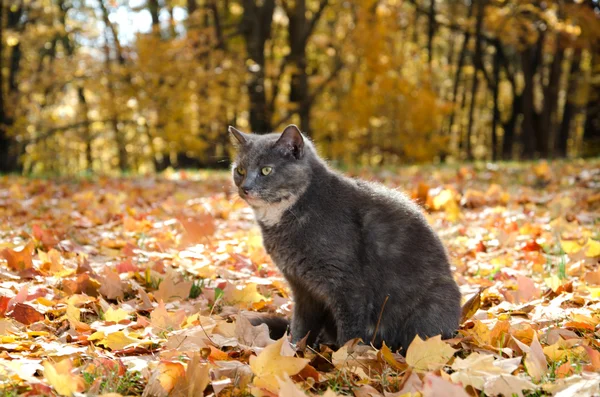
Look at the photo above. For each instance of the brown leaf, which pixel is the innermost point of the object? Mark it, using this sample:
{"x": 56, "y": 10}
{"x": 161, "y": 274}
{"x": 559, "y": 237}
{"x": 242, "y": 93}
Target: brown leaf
{"x": 471, "y": 306}
{"x": 111, "y": 284}
{"x": 26, "y": 314}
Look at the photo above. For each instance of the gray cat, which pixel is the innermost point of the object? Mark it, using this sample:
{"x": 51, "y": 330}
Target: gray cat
{"x": 361, "y": 259}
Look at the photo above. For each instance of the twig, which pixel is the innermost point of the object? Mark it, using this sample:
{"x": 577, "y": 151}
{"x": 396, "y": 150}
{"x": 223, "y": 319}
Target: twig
{"x": 379, "y": 319}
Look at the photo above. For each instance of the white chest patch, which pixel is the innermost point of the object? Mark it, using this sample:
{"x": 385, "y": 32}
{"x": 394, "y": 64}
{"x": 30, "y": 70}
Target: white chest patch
{"x": 271, "y": 214}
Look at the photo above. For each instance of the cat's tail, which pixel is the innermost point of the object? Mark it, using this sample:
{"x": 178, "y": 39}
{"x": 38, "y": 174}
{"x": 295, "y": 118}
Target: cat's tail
{"x": 277, "y": 325}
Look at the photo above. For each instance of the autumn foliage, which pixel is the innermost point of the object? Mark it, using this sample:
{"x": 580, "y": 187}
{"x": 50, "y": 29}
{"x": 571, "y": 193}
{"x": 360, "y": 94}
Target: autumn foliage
{"x": 112, "y": 85}
{"x": 140, "y": 286}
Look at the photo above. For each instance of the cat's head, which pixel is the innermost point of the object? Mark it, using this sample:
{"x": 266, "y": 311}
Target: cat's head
{"x": 273, "y": 167}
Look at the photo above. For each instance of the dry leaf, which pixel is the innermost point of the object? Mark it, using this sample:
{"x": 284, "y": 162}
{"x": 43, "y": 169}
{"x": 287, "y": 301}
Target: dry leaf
{"x": 270, "y": 365}
{"x": 428, "y": 355}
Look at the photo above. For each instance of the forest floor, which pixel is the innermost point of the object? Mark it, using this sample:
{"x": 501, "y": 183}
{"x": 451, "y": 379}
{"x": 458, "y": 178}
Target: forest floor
{"x": 137, "y": 286}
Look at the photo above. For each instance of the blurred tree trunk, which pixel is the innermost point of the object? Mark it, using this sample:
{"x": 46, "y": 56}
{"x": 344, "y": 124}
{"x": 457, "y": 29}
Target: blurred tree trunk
{"x": 530, "y": 134}
{"x": 256, "y": 29}
{"x": 9, "y": 159}
{"x": 459, "y": 69}
{"x": 87, "y": 134}
{"x": 561, "y": 144}
{"x": 192, "y": 6}
{"x": 114, "y": 118}
{"x": 478, "y": 67}
{"x": 548, "y": 116}
{"x": 431, "y": 31}
{"x": 591, "y": 133}
{"x": 496, "y": 110}
{"x": 154, "y": 9}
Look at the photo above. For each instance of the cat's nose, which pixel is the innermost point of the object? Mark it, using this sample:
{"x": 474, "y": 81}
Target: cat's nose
{"x": 246, "y": 191}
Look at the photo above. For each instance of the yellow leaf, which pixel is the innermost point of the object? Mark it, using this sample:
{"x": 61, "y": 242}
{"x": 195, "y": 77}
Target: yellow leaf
{"x": 115, "y": 315}
{"x": 60, "y": 377}
{"x": 117, "y": 341}
{"x": 593, "y": 249}
{"x": 553, "y": 282}
{"x": 247, "y": 294}
{"x": 270, "y": 365}
{"x": 387, "y": 355}
{"x": 428, "y": 355}
{"x": 73, "y": 315}
{"x": 570, "y": 246}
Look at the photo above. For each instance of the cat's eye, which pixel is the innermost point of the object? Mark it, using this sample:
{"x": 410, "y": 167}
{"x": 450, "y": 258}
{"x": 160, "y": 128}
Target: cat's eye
{"x": 266, "y": 170}
{"x": 241, "y": 171}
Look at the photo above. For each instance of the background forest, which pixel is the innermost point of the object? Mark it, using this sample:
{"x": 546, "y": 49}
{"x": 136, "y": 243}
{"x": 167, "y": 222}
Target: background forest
{"x": 139, "y": 86}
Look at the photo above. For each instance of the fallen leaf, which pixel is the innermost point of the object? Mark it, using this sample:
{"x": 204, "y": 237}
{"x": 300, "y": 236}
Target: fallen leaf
{"x": 270, "y": 365}
{"x": 20, "y": 260}
{"x": 115, "y": 315}
{"x": 26, "y": 314}
{"x": 428, "y": 355}
{"x": 434, "y": 386}
{"x": 168, "y": 290}
{"x": 60, "y": 376}
{"x": 112, "y": 286}
{"x": 163, "y": 320}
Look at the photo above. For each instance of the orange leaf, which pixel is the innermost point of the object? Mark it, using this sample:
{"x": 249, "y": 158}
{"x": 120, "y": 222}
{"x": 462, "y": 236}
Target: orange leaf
{"x": 26, "y": 314}
{"x": 19, "y": 260}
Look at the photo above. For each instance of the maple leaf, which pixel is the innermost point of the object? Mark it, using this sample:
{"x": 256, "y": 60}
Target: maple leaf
{"x": 115, "y": 315}
{"x": 162, "y": 320}
{"x": 242, "y": 294}
{"x": 430, "y": 354}
{"x": 270, "y": 365}
{"x": 19, "y": 260}
{"x": 164, "y": 378}
{"x": 115, "y": 340}
{"x": 287, "y": 388}
{"x": 507, "y": 385}
{"x": 434, "y": 386}
{"x": 111, "y": 285}
{"x": 535, "y": 361}
{"x": 60, "y": 377}
{"x": 251, "y": 335}
{"x": 26, "y": 314}
{"x": 194, "y": 382}
{"x": 74, "y": 316}
{"x": 169, "y": 291}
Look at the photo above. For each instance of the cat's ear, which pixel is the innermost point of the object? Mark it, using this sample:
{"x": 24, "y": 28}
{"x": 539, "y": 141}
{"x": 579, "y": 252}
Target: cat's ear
{"x": 291, "y": 141}
{"x": 240, "y": 137}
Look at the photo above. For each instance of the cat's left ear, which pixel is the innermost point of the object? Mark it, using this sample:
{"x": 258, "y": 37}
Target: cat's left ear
{"x": 291, "y": 140}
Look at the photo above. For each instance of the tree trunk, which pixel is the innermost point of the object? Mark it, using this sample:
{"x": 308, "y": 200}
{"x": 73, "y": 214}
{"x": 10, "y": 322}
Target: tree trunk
{"x": 297, "y": 58}
{"x": 591, "y": 132}
{"x": 459, "y": 68}
{"x": 561, "y": 144}
{"x": 114, "y": 118}
{"x": 431, "y": 31}
{"x": 256, "y": 28}
{"x": 530, "y": 137}
{"x": 478, "y": 66}
{"x": 9, "y": 158}
{"x": 548, "y": 117}
{"x": 496, "y": 110}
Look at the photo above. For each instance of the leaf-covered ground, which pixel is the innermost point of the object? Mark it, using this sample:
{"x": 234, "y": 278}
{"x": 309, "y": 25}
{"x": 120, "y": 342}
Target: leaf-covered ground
{"x": 144, "y": 286}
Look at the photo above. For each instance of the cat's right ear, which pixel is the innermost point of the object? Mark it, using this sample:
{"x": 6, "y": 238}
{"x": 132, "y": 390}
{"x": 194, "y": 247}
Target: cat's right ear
{"x": 241, "y": 138}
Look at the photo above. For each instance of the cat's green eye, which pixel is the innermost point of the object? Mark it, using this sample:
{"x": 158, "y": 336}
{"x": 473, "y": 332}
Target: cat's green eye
{"x": 241, "y": 171}
{"x": 266, "y": 170}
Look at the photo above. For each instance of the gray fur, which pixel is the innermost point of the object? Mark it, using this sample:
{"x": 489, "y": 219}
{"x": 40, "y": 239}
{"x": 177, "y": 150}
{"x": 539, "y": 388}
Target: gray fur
{"x": 344, "y": 245}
